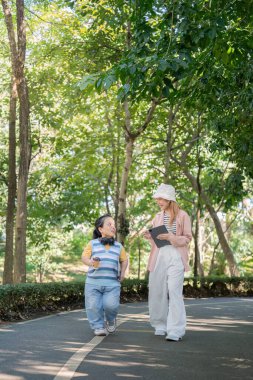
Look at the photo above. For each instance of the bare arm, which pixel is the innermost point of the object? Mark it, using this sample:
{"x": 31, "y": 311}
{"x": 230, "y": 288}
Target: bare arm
{"x": 87, "y": 261}
{"x": 86, "y": 256}
{"x": 123, "y": 267}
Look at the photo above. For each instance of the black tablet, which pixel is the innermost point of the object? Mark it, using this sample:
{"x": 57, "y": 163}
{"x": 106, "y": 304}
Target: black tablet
{"x": 154, "y": 232}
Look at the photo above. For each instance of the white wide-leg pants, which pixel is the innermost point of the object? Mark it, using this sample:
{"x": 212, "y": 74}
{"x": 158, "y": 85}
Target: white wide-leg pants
{"x": 166, "y": 305}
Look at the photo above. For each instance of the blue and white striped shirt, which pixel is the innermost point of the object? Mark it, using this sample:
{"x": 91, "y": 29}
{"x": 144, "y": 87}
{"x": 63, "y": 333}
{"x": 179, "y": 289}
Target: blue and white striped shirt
{"x": 107, "y": 272}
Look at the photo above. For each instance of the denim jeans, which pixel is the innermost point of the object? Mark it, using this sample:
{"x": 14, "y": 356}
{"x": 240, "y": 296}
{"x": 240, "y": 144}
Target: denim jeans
{"x": 101, "y": 303}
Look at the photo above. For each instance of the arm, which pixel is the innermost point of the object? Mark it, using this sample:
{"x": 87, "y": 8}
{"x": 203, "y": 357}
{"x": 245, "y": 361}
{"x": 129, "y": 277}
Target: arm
{"x": 86, "y": 256}
{"x": 185, "y": 238}
{"x": 146, "y": 234}
{"x": 182, "y": 240}
{"x": 87, "y": 261}
{"x": 123, "y": 267}
{"x": 123, "y": 262}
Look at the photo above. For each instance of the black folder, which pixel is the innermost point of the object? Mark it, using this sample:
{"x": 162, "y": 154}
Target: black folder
{"x": 154, "y": 232}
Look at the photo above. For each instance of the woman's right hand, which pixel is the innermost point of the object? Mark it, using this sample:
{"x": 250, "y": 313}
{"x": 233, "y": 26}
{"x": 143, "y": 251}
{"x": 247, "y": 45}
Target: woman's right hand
{"x": 146, "y": 234}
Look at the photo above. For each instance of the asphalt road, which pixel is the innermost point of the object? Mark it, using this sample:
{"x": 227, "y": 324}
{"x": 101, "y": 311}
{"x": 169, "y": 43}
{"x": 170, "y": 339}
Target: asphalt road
{"x": 218, "y": 345}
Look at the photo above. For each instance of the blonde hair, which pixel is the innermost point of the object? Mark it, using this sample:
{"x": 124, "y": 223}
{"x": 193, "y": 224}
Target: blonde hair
{"x": 173, "y": 210}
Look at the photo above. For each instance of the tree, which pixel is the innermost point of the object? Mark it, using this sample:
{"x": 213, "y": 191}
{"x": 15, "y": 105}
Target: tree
{"x": 121, "y": 21}
{"x": 155, "y": 67}
{"x": 10, "y": 215}
{"x": 18, "y": 55}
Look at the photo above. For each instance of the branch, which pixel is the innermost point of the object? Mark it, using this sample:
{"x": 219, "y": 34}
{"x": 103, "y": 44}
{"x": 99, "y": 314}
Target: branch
{"x": 218, "y": 243}
{"x": 159, "y": 170}
{"x": 137, "y": 233}
{"x": 40, "y": 150}
{"x": 184, "y": 155}
{"x": 223, "y": 196}
{"x": 40, "y": 18}
{"x": 127, "y": 125}
{"x": 149, "y": 116}
{"x": 10, "y": 31}
{"x": 21, "y": 33}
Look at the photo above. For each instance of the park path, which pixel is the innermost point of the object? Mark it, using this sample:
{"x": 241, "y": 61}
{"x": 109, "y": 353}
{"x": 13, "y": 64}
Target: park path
{"x": 218, "y": 346}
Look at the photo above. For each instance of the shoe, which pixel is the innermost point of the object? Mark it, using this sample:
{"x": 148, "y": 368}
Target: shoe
{"x": 160, "y": 332}
{"x": 111, "y": 326}
{"x": 100, "y": 332}
{"x": 173, "y": 338}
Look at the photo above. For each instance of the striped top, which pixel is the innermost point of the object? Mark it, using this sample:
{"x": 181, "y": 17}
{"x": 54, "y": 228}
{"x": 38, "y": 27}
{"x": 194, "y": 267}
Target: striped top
{"x": 171, "y": 228}
{"x": 108, "y": 271}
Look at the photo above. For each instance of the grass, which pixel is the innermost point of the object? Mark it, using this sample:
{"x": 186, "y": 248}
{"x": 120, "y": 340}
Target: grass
{"x": 62, "y": 270}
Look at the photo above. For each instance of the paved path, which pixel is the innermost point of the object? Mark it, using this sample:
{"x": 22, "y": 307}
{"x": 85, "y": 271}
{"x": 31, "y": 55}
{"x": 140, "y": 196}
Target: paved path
{"x": 218, "y": 346}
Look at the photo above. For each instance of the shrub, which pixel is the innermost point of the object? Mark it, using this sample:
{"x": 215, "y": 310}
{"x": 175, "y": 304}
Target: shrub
{"x": 25, "y": 300}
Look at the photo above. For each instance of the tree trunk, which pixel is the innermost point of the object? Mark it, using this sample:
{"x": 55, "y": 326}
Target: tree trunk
{"x": 168, "y": 147}
{"x": 117, "y": 185}
{"x": 18, "y": 51}
{"x": 139, "y": 258}
{"x": 122, "y": 224}
{"x": 169, "y": 143}
{"x": 21, "y": 217}
{"x": 197, "y": 265}
{"x": 10, "y": 217}
{"x": 221, "y": 236}
{"x": 113, "y": 161}
{"x": 200, "y": 246}
{"x": 198, "y": 269}
{"x": 228, "y": 253}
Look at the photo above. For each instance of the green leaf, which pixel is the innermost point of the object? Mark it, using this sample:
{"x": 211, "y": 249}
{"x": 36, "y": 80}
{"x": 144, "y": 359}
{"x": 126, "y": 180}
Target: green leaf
{"x": 109, "y": 81}
{"x": 87, "y": 81}
{"x": 163, "y": 65}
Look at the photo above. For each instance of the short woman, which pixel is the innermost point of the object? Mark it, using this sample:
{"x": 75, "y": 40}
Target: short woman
{"x": 107, "y": 263}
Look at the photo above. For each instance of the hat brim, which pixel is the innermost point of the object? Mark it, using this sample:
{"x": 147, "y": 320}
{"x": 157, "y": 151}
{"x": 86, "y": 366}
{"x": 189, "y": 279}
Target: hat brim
{"x": 163, "y": 196}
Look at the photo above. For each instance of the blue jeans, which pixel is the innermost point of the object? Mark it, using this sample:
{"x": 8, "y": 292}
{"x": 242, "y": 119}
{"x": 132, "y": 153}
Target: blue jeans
{"x": 101, "y": 303}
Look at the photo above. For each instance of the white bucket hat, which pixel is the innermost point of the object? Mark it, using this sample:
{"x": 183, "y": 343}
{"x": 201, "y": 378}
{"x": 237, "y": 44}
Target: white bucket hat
{"x": 166, "y": 192}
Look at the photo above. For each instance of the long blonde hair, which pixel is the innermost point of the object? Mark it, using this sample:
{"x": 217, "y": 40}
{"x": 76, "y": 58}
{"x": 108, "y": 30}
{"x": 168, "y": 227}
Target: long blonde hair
{"x": 173, "y": 210}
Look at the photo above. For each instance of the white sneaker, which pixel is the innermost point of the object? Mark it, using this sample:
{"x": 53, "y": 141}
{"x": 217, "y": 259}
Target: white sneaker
{"x": 111, "y": 326}
{"x": 173, "y": 338}
{"x": 160, "y": 332}
{"x": 100, "y": 332}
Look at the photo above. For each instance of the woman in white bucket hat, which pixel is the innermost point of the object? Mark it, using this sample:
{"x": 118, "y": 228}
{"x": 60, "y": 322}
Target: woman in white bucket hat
{"x": 167, "y": 266}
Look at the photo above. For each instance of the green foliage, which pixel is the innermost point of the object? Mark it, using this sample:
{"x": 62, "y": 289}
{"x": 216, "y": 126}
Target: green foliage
{"x": 76, "y": 244}
{"x": 85, "y": 58}
{"x": 26, "y": 300}
{"x": 218, "y": 286}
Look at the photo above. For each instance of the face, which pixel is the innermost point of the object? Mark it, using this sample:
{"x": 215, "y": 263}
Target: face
{"x": 108, "y": 229}
{"x": 162, "y": 203}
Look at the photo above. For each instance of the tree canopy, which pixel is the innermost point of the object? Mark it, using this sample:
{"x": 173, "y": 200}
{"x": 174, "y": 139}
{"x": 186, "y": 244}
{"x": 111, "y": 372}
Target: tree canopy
{"x": 125, "y": 95}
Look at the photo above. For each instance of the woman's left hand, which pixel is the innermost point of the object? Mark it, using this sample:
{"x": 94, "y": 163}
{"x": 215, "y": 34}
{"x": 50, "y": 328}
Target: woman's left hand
{"x": 163, "y": 236}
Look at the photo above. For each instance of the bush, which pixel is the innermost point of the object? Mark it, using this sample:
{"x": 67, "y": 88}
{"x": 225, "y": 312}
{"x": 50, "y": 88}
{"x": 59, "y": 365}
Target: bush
{"x": 134, "y": 290}
{"x": 19, "y": 301}
{"x": 25, "y": 300}
{"x": 218, "y": 286}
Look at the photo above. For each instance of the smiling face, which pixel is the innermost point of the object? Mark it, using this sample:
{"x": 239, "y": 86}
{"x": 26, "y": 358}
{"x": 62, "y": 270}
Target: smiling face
{"x": 108, "y": 229}
{"x": 162, "y": 203}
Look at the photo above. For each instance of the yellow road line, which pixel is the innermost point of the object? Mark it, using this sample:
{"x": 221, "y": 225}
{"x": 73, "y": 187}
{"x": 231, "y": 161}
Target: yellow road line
{"x": 67, "y": 372}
